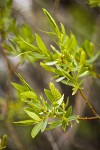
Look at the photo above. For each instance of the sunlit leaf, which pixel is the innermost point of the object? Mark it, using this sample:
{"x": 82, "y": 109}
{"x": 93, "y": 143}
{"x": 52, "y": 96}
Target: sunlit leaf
{"x": 52, "y": 21}
{"x": 36, "y": 129}
{"x": 49, "y": 95}
{"x": 44, "y": 125}
{"x": 51, "y": 63}
{"x": 60, "y": 79}
{"x": 25, "y": 122}
{"x": 55, "y": 124}
{"x": 69, "y": 112}
{"x": 32, "y": 115}
{"x": 19, "y": 87}
{"x": 41, "y": 45}
{"x": 29, "y": 94}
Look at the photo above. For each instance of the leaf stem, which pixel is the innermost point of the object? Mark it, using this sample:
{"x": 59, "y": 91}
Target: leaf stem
{"x": 98, "y": 76}
{"x": 89, "y": 105}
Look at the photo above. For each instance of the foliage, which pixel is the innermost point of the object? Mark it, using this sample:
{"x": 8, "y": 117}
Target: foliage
{"x": 94, "y": 3}
{"x": 45, "y": 114}
{"x": 3, "y": 142}
{"x": 69, "y": 62}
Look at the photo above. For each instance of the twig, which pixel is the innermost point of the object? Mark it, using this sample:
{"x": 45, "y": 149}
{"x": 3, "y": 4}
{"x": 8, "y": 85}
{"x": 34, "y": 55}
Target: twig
{"x": 56, "y": 4}
{"x": 88, "y": 104}
{"x": 88, "y": 118}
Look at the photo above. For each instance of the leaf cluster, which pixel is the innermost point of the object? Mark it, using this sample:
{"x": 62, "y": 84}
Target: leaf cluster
{"x": 44, "y": 114}
{"x": 68, "y": 61}
{"x": 94, "y": 3}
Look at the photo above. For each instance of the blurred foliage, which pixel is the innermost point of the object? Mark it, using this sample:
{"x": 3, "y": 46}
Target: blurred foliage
{"x": 3, "y": 142}
{"x": 94, "y": 3}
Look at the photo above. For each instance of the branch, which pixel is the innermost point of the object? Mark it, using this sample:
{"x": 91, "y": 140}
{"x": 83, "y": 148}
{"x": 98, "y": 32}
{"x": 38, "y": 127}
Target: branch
{"x": 89, "y": 118}
{"x": 56, "y": 4}
{"x": 88, "y": 104}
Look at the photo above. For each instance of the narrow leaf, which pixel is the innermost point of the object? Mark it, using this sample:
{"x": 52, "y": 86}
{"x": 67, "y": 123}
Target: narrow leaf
{"x": 44, "y": 125}
{"x": 19, "y": 87}
{"x": 55, "y": 124}
{"x": 29, "y": 94}
{"x": 59, "y": 102}
{"x": 69, "y": 112}
{"x": 51, "y": 63}
{"x": 49, "y": 95}
{"x": 41, "y": 45}
{"x": 25, "y": 122}
{"x": 60, "y": 79}
{"x": 36, "y": 129}
{"x": 51, "y": 20}
{"x": 32, "y": 115}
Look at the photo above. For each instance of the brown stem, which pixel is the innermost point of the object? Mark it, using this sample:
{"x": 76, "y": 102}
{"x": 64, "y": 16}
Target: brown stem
{"x": 8, "y": 93}
{"x": 98, "y": 76}
{"x": 10, "y": 127}
{"x": 56, "y": 4}
{"x": 88, "y": 118}
{"x": 88, "y": 104}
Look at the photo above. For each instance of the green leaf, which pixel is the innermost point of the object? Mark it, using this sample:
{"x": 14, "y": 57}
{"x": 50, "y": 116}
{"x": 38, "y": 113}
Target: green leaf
{"x": 69, "y": 112}
{"x": 82, "y": 58}
{"x": 63, "y": 28}
{"x": 36, "y": 129}
{"x": 29, "y": 94}
{"x": 24, "y": 83}
{"x": 94, "y": 3}
{"x": 19, "y": 87}
{"x": 41, "y": 45}
{"x": 32, "y": 115}
{"x": 67, "y": 83}
{"x": 55, "y": 124}
{"x": 47, "y": 67}
{"x": 51, "y": 63}
{"x": 71, "y": 118}
{"x": 64, "y": 124}
{"x": 84, "y": 74}
{"x": 55, "y": 50}
{"x": 25, "y": 122}
{"x": 52, "y": 21}
{"x": 55, "y": 92}
{"x": 44, "y": 125}
{"x": 59, "y": 102}
{"x": 49, "y": 95}
{"x": 60, "y": 79}
{"x": 75, "y": 88}
{"x": 91, "y": 60}
{"x": 3, "y": 142}
{"x": 26, "y": 44}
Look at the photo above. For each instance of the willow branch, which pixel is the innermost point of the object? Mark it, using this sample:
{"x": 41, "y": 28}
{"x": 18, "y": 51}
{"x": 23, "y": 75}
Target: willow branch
{"x": 88, "y": 104}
